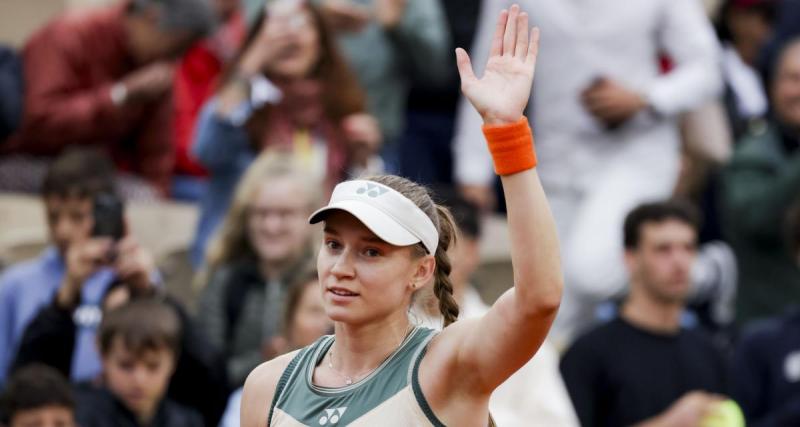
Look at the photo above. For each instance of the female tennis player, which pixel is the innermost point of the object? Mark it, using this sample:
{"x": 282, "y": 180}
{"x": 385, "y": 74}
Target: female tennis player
{"x": 384, "y": 240}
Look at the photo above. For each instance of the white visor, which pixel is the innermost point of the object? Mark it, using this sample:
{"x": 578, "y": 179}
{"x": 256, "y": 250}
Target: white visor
{"x": 387, "y": 213}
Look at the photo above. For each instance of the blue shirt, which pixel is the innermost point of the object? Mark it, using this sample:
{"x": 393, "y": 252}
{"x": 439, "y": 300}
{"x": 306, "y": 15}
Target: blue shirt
{"x": 27, "y": 287}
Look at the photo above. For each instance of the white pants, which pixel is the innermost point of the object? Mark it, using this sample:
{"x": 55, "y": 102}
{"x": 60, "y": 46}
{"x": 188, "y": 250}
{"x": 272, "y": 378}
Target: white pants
{"x": 590, "y": 211}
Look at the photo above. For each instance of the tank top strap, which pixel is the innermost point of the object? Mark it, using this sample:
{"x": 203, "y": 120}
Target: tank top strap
{"x": 293, "y": 369}
{"x": 298, "y": 401}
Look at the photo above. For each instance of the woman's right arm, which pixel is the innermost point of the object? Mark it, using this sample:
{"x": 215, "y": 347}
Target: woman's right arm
{"x": 259, "y": 390}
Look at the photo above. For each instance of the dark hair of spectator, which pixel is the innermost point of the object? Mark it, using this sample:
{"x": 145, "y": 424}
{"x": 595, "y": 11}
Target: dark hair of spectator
{"x": 766, "y": 8}
{"x": 297, "y": 288}
{"x": 465, "y": 213}
{"x": 143, "y": 324}
{"x": 657, "y": 212}
{"x": 79, "y": 173}
{"x": 342, "y": 94}
{"x": 35, "y": 386}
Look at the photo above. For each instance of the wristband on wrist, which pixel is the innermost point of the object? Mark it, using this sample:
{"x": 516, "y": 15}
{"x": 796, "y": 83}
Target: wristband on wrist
{"x": 511, "y": 146}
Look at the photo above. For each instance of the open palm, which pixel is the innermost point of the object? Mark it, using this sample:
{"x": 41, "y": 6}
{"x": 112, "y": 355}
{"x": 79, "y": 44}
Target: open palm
{"x": 501, "y": 94}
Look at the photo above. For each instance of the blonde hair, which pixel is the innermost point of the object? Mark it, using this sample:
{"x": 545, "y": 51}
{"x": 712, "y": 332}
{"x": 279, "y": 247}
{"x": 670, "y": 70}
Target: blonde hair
{"x": 231, "y": 241}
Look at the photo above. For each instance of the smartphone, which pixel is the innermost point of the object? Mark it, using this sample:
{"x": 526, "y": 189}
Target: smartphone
{"x": 108, "y": 216}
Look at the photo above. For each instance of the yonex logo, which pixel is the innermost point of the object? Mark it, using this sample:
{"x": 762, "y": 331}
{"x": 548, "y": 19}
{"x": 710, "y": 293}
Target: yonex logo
{"x": 332, "y": 416}
{"x": 372, "y": 190}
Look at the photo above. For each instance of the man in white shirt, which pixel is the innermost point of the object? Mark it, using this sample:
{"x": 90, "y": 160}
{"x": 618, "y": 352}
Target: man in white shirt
{"x": 604, "y": 118}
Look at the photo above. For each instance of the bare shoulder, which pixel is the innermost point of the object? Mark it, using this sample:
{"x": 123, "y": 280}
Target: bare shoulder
{"x": 259, "y": 389}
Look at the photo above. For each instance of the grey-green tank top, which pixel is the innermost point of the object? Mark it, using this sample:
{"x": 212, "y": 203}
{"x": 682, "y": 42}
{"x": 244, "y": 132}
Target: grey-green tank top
{"x": 390, "y": 396}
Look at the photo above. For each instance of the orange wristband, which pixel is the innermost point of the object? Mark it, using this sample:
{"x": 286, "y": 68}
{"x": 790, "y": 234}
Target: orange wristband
{"x": 511, "y": 146}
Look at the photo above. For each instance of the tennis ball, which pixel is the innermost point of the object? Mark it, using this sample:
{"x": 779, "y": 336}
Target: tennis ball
{"x": 724, "y": 414}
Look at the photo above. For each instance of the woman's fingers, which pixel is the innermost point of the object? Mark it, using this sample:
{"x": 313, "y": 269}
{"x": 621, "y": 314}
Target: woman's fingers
{"x": 510, "y": 36}
{"x": 521, "y": 48}
{"x": 500, "y": 29}
{"x": 464, "y": 66}
{"x": 533, "y": 45}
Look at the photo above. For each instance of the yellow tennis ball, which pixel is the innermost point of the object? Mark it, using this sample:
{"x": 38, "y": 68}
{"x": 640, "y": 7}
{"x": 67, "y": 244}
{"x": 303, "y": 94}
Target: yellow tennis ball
{"x": 724, "y": 414}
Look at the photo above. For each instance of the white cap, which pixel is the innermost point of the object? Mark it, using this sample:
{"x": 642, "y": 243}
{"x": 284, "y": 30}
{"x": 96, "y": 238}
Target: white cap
{"x": 387, "y": 213}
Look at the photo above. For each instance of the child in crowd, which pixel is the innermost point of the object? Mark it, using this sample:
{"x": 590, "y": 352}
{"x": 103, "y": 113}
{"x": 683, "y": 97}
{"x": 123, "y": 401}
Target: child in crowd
{"x": 37, "y": 396}
{"x": 139, "y": 343}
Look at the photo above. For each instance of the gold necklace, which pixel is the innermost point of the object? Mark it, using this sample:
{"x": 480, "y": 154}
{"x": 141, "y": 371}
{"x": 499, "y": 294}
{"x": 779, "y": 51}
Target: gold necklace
{"x": 349, "y": 380}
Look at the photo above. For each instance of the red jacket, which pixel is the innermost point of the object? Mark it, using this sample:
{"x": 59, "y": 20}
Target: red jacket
{"x": 195, "y": 81}
{"x": 70, "y": 66}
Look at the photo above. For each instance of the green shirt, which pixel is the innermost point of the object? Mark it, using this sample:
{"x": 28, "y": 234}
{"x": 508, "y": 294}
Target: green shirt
{"x": 389, "y": 396}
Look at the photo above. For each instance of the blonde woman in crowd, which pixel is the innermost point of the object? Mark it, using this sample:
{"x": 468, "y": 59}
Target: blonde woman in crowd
{"x": 263, "y": 243}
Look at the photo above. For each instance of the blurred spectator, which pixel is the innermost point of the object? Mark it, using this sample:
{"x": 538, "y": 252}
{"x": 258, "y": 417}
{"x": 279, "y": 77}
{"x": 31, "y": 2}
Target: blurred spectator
{"x": 289, "y": 89}
{"x": 304, "y": 321}
{"x": 388, "y": 44}
{"x": 104, "y": 78}
{"x": 11, "y": 92}
{"x": 536, "y": 391}
{"x": 766, "y": 365}
{"x": 643, "y": 366}
{"x": 760, "y": 184}
{"x": 425, "y": 147}
{"x": 745, "y": 26}
{"x": 787, "y": 27}
{"x": 139, "y": 343}
{"x": 50, "y": 339}
{"x": 261, "y": 246}
{"x": 37, "y": 396}
{"x": 196, "y": 77}
{"x": 603, "y": 117}
{"x": 78, "y": 266}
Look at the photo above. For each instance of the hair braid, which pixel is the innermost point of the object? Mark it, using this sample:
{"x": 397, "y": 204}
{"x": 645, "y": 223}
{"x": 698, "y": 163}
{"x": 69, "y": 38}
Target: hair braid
{"x": 442, "y": 286}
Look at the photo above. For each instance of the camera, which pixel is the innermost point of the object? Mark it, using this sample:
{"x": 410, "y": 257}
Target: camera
{"x": 108, "y": 216}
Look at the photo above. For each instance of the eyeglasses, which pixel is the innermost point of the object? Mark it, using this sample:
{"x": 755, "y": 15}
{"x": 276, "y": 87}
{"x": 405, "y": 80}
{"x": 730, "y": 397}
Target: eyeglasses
{"x": 261, "y": 213}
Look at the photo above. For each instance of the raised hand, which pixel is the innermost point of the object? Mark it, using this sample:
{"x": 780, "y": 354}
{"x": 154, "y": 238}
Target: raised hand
{"x": 500, "y": 96}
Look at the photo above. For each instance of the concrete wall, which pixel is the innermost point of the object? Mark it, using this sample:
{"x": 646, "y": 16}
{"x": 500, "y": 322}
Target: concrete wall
{"x": 19, "y": 18}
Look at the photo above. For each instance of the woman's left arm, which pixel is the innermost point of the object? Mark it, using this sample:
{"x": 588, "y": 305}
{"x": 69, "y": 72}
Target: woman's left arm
{"x": 477, "y": 356}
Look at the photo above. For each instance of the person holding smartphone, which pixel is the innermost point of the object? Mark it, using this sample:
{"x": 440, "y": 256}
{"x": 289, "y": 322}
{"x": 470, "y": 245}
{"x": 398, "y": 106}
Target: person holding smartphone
{"x": 76, "y": 269}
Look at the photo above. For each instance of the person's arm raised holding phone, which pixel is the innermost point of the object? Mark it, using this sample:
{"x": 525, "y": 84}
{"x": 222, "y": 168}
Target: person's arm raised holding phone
{"x": 469, "y": 359}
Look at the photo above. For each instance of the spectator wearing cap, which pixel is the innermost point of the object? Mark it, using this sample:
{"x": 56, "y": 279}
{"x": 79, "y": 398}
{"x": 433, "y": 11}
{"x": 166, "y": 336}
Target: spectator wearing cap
{"x": 644, "y": 367}
{"x": 104, "y": 78}
{"x": 766, "y": 364}
{"x": 761, "y": 182}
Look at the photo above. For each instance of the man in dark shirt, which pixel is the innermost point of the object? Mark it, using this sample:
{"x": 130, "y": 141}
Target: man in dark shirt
{"x": 643, "y": 368}
{"x": 766, "y": 364}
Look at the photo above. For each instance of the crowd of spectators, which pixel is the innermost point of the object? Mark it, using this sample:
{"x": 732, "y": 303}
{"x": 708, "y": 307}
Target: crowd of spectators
{"x": 668, "y": 138}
